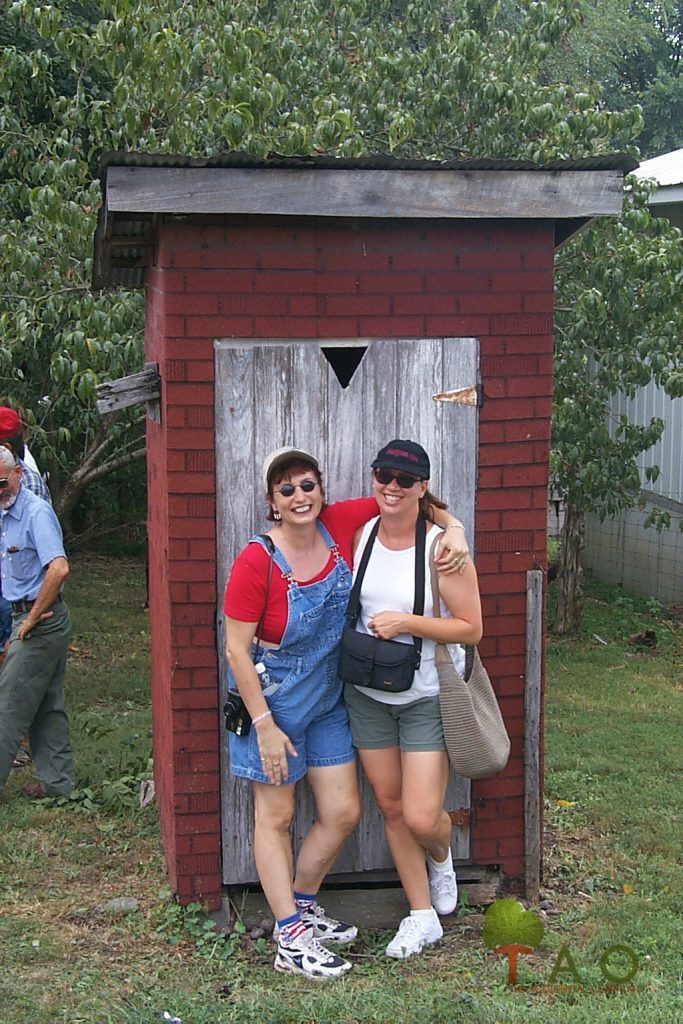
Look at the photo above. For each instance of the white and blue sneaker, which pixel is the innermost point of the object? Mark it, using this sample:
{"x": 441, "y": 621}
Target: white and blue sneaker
{"x": 306, "y": 955}
{"x": 326, "y": 929}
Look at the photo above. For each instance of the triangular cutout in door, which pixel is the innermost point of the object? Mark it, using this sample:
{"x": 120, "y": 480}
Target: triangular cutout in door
{"x": 344, "y": 360}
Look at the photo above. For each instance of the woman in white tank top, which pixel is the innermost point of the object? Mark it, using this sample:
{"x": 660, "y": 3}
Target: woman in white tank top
{"x": 398, "y": 735}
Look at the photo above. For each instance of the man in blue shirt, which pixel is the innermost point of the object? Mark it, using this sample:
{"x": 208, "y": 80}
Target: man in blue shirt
{"x": 12, "y": 437}
{"x": 34, "y": 568}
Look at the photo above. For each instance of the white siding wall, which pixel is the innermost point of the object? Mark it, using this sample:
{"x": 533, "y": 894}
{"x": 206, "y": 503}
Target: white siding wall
{"x": 621, "y": 550}
{"x": 668, "y": 452}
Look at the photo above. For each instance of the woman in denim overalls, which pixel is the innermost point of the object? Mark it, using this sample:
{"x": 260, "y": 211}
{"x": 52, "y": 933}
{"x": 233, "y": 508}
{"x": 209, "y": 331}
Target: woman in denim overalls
{"x": 300, "y": 725}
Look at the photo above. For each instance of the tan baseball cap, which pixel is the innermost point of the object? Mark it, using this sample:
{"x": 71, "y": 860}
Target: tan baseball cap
{"x": 282, "y": 455}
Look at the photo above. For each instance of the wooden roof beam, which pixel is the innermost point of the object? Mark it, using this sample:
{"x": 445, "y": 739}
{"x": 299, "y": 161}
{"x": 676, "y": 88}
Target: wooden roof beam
{"x": 451, "y": 194}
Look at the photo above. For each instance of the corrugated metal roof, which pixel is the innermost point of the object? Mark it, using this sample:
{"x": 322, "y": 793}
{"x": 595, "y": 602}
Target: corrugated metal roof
{"x": 666, "y": 169}
{"x": 611, "y": 162}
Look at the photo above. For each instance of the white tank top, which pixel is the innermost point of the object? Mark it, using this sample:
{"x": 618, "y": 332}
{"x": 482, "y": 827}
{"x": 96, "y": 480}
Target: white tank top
{"x": 389, "y": 585}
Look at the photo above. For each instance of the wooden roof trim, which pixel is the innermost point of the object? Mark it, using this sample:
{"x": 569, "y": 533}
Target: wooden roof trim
{"x": 453, "y": 194}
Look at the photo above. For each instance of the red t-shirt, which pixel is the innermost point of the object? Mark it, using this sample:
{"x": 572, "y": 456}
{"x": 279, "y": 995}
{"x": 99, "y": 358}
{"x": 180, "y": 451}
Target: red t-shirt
{"x": 246, "y": 588}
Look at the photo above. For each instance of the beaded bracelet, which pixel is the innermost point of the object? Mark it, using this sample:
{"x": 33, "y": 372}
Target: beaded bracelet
{"x": 259, "y": 718}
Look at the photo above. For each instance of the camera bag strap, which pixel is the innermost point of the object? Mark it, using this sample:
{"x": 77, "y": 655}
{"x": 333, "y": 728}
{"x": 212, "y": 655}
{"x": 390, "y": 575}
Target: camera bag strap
{"x": 353, "y": 609}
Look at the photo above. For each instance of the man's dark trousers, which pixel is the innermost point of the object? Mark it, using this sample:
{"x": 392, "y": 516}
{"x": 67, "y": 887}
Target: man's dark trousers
{"x": 32, "y": 700}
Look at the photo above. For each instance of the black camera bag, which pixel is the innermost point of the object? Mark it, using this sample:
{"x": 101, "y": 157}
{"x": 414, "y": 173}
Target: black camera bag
{"x": 365, "y": 660}
{"x": 237, "y": 718}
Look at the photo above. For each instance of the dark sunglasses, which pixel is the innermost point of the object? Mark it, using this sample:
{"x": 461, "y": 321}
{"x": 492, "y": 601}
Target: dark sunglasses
{"x": 404, "y": 480}
{"x": 4, "y": 481}
{"x": 287, "y": 490}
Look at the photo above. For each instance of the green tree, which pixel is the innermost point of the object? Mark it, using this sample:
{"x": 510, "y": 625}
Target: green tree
{"x": 618, "y": 322}
{"x": 631, "y": 51}
{"x": 651, "y": 71}
{"x": 58, "y": 339}
{"x": 423, "y": 78}
{"x": 618, "y": 326}
{"x": 429, "y": 78}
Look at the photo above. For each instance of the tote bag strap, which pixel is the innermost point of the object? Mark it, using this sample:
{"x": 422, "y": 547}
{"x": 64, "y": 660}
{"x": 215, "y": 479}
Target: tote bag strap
{"x": 442, "y": 656}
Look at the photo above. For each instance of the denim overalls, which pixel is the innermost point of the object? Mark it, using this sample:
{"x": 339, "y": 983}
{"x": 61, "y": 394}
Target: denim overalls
{"x": 307, "y": 703}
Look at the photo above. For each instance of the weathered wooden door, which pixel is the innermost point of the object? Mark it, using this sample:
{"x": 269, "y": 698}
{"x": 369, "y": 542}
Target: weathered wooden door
{"x": 271, "y": 393}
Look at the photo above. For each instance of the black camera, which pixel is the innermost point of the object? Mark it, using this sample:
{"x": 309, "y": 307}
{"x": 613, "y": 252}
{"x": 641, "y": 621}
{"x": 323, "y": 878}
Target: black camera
{"x": 237, "y": 718}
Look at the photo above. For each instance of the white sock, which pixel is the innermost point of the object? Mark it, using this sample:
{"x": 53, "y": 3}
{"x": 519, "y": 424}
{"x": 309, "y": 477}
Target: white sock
{"x": 442, "y": 865}
{"x": 421, "y": 913}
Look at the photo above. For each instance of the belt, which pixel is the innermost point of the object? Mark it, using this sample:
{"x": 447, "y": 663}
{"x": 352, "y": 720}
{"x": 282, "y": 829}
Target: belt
{"x": 25, "y": 606}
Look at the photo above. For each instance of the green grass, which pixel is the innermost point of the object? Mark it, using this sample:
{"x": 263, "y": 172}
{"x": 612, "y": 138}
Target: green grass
{"x": 613, "y": 837}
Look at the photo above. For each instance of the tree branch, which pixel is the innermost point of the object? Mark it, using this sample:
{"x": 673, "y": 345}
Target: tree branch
{"x": 103, "y": 437}
{"x": 110, "y": 467}
{"x": 78, "y": 481}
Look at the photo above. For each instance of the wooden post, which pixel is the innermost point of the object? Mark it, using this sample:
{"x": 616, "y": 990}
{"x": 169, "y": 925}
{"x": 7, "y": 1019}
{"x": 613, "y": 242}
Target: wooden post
{"x": 532, "y": 734}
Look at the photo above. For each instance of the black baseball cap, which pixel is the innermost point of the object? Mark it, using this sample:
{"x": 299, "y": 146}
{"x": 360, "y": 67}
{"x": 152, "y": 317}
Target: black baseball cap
{"x": 404, "y": 456}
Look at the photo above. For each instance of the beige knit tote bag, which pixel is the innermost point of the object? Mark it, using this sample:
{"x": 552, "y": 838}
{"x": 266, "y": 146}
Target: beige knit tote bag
{"x": 476, "y": 738}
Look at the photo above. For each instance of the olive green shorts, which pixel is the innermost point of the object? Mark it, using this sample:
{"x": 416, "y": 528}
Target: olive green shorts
{"x": 376, "y": 725}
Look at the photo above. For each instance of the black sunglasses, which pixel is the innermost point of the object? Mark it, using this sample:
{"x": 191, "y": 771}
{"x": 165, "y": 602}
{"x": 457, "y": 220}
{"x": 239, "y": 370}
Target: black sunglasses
{"x": 404, "y": 480}
{"x": 287, "y": 490}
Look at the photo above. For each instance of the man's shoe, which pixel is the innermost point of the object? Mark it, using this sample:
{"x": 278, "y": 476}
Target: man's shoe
{"x": 23, "y": 758}
{"x": 305, "y": 955}
{"x": 443, "y": 887}
{"x": 414, "y": 933}
{"x": 326, "y": 929}
{"x": 34, "y": 790}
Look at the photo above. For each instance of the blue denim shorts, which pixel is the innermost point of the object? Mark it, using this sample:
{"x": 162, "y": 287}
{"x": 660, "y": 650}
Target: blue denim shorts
{"x": 323, "y": 742}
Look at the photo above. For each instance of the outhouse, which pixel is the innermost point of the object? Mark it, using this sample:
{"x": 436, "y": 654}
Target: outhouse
{"x": 333, "y": 305}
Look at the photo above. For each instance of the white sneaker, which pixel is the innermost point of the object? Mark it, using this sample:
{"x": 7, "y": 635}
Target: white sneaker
{"x": 326, "y": 929}
{"x": 414, "y": 933}
{"x": 443, "y": 887}
{"x": 305, "y": 955}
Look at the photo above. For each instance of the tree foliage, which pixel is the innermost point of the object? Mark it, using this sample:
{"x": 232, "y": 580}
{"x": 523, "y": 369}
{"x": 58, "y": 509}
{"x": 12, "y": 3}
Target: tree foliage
{"x": 428, "y": 78}
{"x": 632, "y": 52}
{"x": 618, "y": 326}
{"x": 57, "y": 338}
{"x": 423, "y": 77}
{"x": 349, "y": 78}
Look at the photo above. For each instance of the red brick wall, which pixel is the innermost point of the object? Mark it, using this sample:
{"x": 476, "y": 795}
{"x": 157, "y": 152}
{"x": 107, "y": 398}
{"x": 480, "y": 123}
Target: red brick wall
{"x": 304, "y": 278}
{"x": 159, "y": 598}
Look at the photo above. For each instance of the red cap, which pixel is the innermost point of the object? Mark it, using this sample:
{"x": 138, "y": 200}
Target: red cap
{"x": 10, "y": 424}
